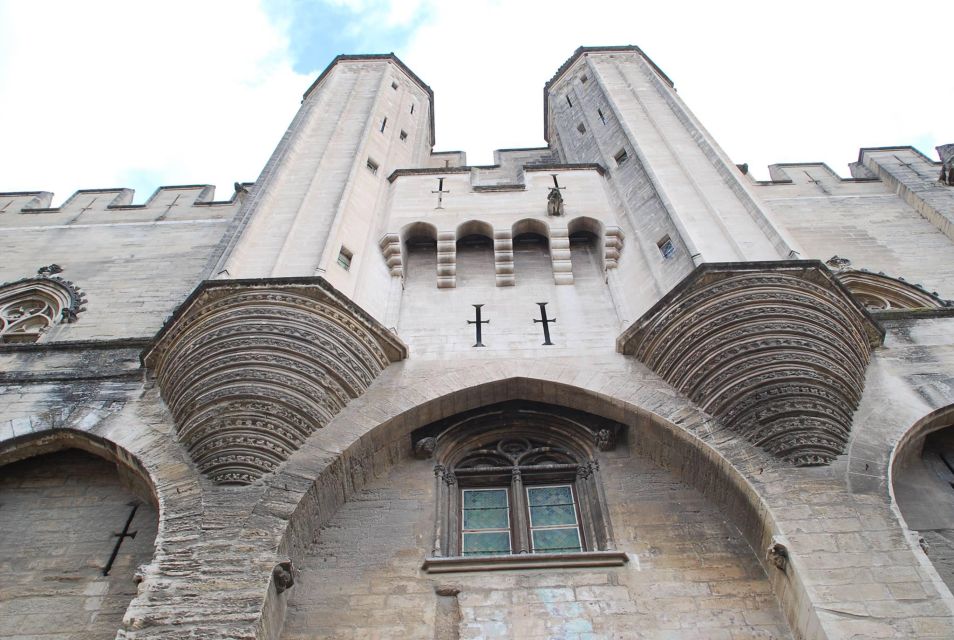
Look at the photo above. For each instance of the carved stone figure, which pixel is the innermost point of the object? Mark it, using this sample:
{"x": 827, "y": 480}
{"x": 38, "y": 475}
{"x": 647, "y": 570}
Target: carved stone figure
{"x": 555, "y": 202}
{"x": 424, "y": 448}
{"x": 778, "y": 555}
{"x": 284, "y": 577}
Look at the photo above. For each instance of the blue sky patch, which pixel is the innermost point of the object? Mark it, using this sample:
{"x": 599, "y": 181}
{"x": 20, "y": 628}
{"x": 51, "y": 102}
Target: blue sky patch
{"x": 318, "y": 31}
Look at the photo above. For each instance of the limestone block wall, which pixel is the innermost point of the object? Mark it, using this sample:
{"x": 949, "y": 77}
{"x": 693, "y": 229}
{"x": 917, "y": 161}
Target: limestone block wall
{"x": 863, "y": 220}
{"x": 134, "y": 263}
{"x": 60, "y": 512}
{"x": 690, "y": 571}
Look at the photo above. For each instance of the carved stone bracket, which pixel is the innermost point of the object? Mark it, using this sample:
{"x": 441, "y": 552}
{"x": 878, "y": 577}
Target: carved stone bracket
{"x": 612, "y": 246}
{"x": 777, "y": 350}
{"x": 446, "y": 260}
{"x": 250, "y": 369}
{"x": 391, "y": 250}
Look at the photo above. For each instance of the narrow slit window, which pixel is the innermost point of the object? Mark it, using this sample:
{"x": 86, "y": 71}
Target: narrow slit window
{"x": 568, "y": 101}
{"x": 602, "y": 117}
{"x": 372, "y": 166}
{"x": 394, "y": 85}
{"x": 621, "y": 157}
{"x": 666, "y": 247}
{"x": 403, "y": 135}
{"x": 412, "y": 108}
{"x": 384, "y": 124}
{"x": 581, "y": 128}
{"x": 344, "y": 258}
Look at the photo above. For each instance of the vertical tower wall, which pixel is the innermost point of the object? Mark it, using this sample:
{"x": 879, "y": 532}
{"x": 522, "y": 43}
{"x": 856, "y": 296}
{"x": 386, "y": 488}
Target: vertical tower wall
{"x": 321, "y": 187}
{"x": 674, "y": 180}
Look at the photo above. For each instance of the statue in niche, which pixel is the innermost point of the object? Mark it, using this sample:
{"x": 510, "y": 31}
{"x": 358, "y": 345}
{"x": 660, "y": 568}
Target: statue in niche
{"x": 555, "y": 202}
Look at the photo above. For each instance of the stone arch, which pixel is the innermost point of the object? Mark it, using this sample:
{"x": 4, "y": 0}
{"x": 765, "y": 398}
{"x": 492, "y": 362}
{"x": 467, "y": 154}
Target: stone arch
{"x": 878, "y": 292}
{"x": 921, "y": 486}
{"x": 386, "y": 446}
{"x": 474, "y": 245}
{"x": 533, "y": 251}
{"x": 81, "y": 489}
{"x": 586, "y": 244}
{"x": 419, "y": 246}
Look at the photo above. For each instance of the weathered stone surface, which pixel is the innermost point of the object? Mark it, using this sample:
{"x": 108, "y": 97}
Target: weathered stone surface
{"x": 251, "y": 370}
{"x": 778, "y": 351}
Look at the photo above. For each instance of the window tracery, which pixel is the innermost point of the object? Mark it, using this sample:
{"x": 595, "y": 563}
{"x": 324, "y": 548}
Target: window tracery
{"x": 29, "y": 308}
{"x": 519, "y": 481}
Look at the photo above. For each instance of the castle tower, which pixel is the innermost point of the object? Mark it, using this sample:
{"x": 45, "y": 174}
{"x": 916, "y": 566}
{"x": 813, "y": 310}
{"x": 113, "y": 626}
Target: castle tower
{"x": 312, "y": 210}
{"x": 614, "y": 106}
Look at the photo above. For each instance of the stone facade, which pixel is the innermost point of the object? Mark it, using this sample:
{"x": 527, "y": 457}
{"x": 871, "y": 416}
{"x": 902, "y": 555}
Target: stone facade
{"x": 745, "y": 387}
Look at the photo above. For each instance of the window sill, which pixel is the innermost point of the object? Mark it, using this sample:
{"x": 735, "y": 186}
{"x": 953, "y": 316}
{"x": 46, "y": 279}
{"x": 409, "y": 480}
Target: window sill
{"x": 525, "y": 561}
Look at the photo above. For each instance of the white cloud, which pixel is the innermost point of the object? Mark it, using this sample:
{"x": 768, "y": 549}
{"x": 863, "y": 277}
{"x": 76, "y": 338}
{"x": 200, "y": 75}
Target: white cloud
{"x": 107, "y": 93}
{"x": 99, "y": 94}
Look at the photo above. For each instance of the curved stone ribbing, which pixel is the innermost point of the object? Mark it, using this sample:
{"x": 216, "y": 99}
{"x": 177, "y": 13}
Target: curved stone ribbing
{"x": 879, "y": 292}
{"x": 249, "y": 371}
{"x": 778, "y": 351}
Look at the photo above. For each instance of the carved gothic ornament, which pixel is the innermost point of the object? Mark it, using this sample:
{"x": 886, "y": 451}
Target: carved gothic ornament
{"x": 251, "y": 368}
{"x": 29, "y": 307}
{"x": 777, "y": 350}
{"x": 878, "y": 292}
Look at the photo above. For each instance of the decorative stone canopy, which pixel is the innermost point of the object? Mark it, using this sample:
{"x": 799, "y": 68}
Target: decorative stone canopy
{"x": 879, "y": 292}
{"x": 250, "y": 368}
{"x": 777, "y": 350}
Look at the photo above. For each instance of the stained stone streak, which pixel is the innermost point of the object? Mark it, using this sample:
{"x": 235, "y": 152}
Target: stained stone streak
{"x": 250, "y": 371}
{"x": 777, "y": 351}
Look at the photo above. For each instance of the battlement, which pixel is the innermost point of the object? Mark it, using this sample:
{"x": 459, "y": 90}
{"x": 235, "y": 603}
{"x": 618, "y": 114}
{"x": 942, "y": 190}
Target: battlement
{"x": 116, "y": 199}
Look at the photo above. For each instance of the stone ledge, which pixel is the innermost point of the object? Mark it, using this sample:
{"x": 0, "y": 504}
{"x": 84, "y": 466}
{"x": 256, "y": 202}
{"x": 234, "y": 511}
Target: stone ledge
{"x": 525, "y": 561}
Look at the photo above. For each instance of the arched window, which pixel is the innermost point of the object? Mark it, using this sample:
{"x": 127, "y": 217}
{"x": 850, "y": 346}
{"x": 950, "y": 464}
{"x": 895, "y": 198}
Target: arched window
{"x": 30, "y": 307}
{"x": 519, "y": 484}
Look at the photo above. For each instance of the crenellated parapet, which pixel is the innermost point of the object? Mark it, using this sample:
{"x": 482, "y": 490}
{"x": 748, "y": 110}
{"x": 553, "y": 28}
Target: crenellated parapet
{"x": 777, "y": 350}
{"x": 178, "y": 197}
{"x": 250, "y": 369}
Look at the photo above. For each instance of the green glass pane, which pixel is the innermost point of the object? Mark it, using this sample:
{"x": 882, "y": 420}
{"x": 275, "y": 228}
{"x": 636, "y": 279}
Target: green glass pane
{"x": 556, "y": 540}
{"x": 549, "y": 495}
{"x": 484, "y": 499}
{"x": 550, "y": 515}
{"x": 487, "y": 544}
{"x": 485, "y": 519}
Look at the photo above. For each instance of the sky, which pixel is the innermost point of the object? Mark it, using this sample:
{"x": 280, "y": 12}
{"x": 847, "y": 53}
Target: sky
{"x": 98, "y": 94}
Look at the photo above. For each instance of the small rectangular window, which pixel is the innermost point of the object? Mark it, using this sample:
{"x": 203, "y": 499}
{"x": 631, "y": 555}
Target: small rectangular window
{"x": 568, "y": 101}
{"x": 666, "y": 247}
{"x": 372, "y": 166}
{"x": 602, "y": 117}
{"x": 581, "y": 128}
{"x": 583, "y": 78}
{"x": 485, "y": 522}
{"x": 344, "y": 258}
{"x": 621, "y": 157}
{"x": 403, "y": 135}
{"x": 554, "y": 527}
{"x": 384, "y": 124}
{"x": 394, "y": 85}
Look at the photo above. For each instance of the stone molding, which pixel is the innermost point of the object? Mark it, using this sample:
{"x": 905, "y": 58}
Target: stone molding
{"x": 879, "y": 292}
{"x": 250, "y": 369}
{"x": 525, "y": 561}
{"x": 777, "y": 350}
